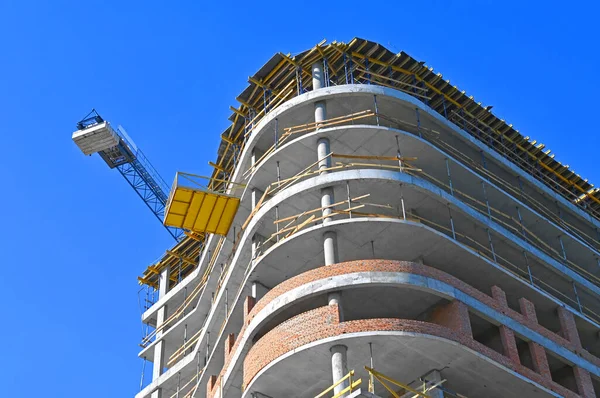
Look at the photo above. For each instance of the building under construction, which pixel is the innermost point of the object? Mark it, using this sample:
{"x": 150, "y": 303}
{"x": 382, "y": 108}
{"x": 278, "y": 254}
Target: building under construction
{"x": 370, "y": 230}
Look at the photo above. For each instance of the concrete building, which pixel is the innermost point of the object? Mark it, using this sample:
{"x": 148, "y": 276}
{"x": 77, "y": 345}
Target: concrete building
{"x": 386, "y": 221}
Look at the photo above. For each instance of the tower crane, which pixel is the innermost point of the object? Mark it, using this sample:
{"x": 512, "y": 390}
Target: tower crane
{"x": 117, "y": 149}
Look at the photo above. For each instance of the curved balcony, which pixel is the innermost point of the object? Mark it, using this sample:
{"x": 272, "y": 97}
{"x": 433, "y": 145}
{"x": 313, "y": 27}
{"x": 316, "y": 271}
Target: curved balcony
{"x": 393, "y": 108}
{"x": 409, "y": 198}
{"x": 412, "y": 291}
{"x": 381, "y": 289}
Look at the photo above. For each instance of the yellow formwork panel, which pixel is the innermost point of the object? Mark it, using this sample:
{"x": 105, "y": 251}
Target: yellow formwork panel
{"x": 200, "y": 210}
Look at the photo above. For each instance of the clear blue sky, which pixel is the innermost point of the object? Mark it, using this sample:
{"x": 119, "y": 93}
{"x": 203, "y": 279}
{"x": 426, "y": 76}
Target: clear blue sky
{"x": 76, "y": 236}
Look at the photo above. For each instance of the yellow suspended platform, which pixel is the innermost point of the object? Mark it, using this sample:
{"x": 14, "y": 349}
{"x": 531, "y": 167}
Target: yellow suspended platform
{"x": 195, "y": 207}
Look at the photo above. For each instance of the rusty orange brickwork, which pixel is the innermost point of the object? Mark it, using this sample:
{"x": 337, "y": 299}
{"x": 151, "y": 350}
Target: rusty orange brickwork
{"x": 324, "y": 322}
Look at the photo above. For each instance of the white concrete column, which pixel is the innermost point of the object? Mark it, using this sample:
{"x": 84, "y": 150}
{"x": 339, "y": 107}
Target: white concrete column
{"x": 339, "y": 367}
{"x": 323, "y": 150}
{"x": 327, "y": 199}
{"x": 256, "y": 195}
{"x": 335, "y": 298}
{"x": 318, "y": 77}
{"x": 156, "y": 393}
{"x": 256, "y": 155}
{"x": 320, "y": 113}
{"x": 161, "y": 316}
{"x": 258, "y": 290}
{"x": 319, "y": 82}
{"x": 330, "y": 248}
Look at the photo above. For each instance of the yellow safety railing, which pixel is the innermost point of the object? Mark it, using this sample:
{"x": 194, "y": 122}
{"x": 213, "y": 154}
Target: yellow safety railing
{"x": 380, "y": 377}
{"x": 352, "y": 384}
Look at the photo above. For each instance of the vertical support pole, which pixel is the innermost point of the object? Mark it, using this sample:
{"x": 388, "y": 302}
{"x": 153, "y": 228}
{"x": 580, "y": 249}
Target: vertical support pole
{"x": 226, "y": 305}
{"x": 399, "y": 155}
{"x": 402, "y": 203}
{"x": 298, "y": 77}
{"x": 278, "y": 173}
{"x": 483, "y": 161}
{"x": 487, "y": 203}
{"x": 491, "y": 245}
{"x": 418, "y": 122}
{"x": 207, "y": 348}
{"x": 197, "y": 363}
{"x": 178, "y": 384}
{"x": 451, "y": 222}
{"x": 577, "y": 298}
{"x": 376, "y": 109}
{"x": 520, "y": 187}
{"x": 349, "y": 200}
{"x": 562, "y": 247}
{"x": 277, "y": 224}
{"x": 184, "y": 334}
{"x": 276, "y": 132}
{"x": 449, "y": 177}
{"x": 528, "y": 268}
{"x": 414, "y": 89}
{"x": 444, "y": 104}
{"x": 371, "y": 387}
{"x": 521, "y": 223}
{"x": 346, "y": 67}
{"x": 558, "y": 210}
{"x": 368, "y": 73}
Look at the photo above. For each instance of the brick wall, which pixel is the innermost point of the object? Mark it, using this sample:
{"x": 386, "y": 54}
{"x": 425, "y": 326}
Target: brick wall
{"x": 322, "y": 323}
{"x": 458, "y": 329}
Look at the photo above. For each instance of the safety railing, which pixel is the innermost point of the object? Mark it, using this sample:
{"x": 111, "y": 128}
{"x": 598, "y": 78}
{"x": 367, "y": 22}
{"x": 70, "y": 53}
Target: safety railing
{"x": 369, "y": 117}
{"x": 365, "y": 206}
{"x": 384, "y": 380}
{"x": 187, "y": 301}
{"x": 352, "y": 385}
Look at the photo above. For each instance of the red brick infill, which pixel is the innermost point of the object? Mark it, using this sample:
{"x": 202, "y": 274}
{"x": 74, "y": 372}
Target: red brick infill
{"x": 498, "y": 302}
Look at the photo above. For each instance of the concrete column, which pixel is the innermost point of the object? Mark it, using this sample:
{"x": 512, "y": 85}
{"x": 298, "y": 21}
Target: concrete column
{"x": 339, "y": 367}
{"x": 327, "y": 199}
{"x": 335, "y": 298}
{"x": 319, "y": 82}
{"x": 323, "y": 149}
{"x": 256, "y": 155}
{"x": 156, "y": 393}
{"x": 330, "y": 248}
{"x": 318, "y": 77}
{"x": 258, "y": 290}
{"x": 161, "y": 316}
{"x": 256, "y": 195}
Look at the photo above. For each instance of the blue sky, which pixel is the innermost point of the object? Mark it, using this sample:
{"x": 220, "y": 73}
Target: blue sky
{"x": 76, "y": 235}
